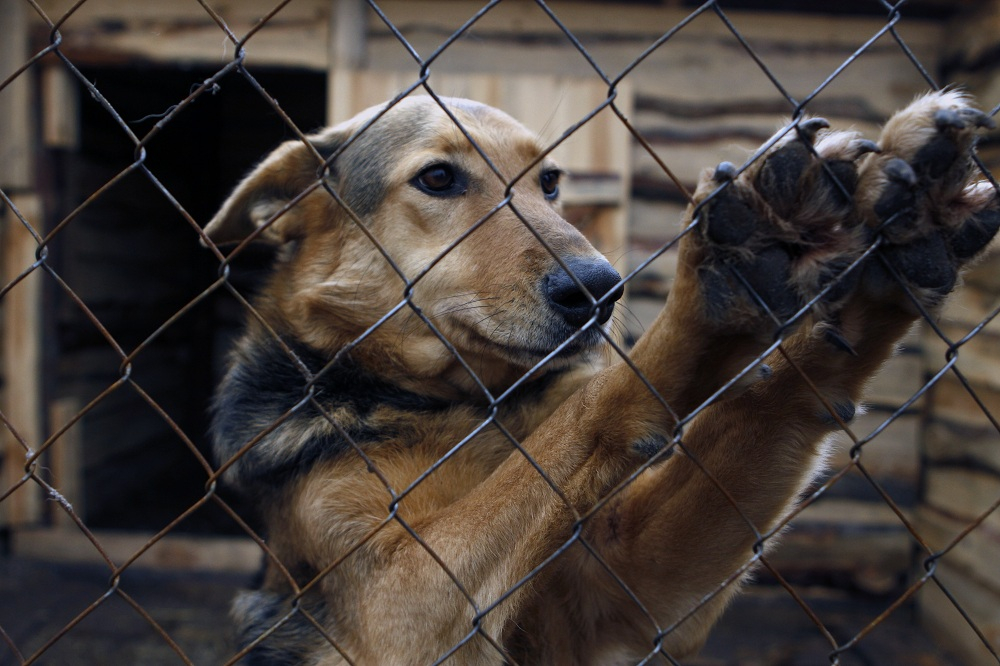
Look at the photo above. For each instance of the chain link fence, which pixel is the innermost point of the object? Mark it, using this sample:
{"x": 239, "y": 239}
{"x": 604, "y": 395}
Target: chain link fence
{"x": 65, "y": 311}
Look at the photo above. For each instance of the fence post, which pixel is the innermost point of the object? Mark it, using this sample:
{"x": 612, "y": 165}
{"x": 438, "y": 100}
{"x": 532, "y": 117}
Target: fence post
{"x": 21, "y": 314}
{"x": 347, "y": 43}
{"x": 16, "y": 163}
{"x": 21, "y": 306}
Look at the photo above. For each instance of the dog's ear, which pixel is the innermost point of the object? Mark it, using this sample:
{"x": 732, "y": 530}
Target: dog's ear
{"x": 288, "y": 171}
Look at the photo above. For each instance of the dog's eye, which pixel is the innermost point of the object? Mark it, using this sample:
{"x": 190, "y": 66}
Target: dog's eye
{"x": 550, "y": 183}
{"x": 439, "y": 180}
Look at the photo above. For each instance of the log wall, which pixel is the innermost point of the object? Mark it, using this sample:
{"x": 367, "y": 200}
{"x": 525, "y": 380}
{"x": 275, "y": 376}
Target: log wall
{"x": 960, "y": 492}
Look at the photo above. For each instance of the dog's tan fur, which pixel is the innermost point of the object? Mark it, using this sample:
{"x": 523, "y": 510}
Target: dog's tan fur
{"x": 486, "y": 517}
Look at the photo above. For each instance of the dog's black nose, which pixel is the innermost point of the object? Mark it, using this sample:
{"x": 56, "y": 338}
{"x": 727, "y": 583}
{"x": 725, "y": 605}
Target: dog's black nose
{"x": 572, "y": 304}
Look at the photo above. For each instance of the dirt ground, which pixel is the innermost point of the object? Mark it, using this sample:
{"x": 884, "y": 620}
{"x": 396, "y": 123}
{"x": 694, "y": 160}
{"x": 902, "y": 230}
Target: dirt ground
{"x": 763, "y": 628}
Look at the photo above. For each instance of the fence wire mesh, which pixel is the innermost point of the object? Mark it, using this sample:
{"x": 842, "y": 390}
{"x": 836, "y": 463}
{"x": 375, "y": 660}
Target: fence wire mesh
{"x": 27, "y": 471}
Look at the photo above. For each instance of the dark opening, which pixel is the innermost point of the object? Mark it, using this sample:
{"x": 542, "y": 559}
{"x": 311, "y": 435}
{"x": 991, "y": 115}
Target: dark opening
{"x": 135, "y": 261}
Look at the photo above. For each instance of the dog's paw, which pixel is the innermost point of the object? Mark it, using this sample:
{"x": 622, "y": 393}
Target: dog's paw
{"x": 790, "y": 229}
{"x": 783, "y": 232}
{"x": 921, "y": 202}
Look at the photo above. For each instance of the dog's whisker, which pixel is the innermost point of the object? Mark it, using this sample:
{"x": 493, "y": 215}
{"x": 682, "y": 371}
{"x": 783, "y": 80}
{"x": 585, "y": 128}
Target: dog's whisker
{"x": 462, "y": 307}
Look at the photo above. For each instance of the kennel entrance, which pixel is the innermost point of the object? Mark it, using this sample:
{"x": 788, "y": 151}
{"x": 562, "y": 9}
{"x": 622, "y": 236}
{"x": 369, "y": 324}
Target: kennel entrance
{"x": 132, "y": 261}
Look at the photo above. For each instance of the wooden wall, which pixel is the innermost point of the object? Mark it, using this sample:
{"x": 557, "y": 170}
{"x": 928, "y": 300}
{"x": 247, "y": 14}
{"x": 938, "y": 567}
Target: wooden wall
{"x": 20, "y": 309}
{"x": 960, "y": 491}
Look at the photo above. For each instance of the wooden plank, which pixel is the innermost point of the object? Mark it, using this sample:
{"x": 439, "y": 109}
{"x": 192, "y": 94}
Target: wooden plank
{"x": 516, "y": 37}
{"x": 65, "y": 461}
{"x": 16, "y": 129}
{"x": 974, "y": 37}
{"x": 978, "y": 358}
{"x": 975, "y": 555}
{"x": 975, "y": 302}
{"x": 893, "y": 454}
{"x": 965, "y": 494}
{"x": 984, "y": 276}
{"x": 582, "y": 189}
{"x": 60, "y": 109}
{"x": 20, "y": 307}
{"x": 177, "y": 552}
{"x": 962, "y": 473}
{"x": 112, "y": 13}
{"x": 348, "y": 43}
{"x": 637, "y": 19}
{"x": 21, "y": 358}
{"x": 949, "y": 628}
{"x": 952, "y": 401}
{"x": 113, "y": 32}
{"x": 979, "y": 296}
{"x": 703, "y": 61}
{"x": 861, "y": 541}
{"x": 976, "y": 444}
{"x": 902, "y": 375}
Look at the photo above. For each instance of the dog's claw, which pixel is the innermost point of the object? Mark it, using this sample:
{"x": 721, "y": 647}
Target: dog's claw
{"x": 837, "y": 339}
{"x": 808, "y": 129}
{"x": 725, "y": 172}
{"x": 897, "y": 199}
{"x": 959, "y": 119}
{"x": 900, "y": 172}
{"x": 948, "y": 119}
{"x": 865, "y": 146}
{"x": 843, "y": 413}
{"x": 979, "y": 118}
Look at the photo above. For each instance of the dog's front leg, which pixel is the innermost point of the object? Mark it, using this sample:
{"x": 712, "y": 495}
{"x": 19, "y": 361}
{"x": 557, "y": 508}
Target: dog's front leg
{"x": 464, "y": 572}
{"x": 682, "y": 534}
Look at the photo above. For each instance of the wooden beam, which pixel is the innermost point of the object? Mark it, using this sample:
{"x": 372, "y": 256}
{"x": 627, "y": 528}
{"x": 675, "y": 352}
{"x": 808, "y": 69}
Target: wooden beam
{"x": 174, "y": 552}
{"x": 16, "y": 163}
{"x": 118, "y": 32}
{"x": 348, "y": 43}
{"x": 60, "y": 109}
{"x": 65, "y": 461}
{"x": 21, "y": 323}
{"x": 115, "y": 31}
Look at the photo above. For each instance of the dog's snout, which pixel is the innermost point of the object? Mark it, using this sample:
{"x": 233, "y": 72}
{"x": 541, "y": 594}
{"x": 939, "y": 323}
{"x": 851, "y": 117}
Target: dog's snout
{"x": 575, "y": 307}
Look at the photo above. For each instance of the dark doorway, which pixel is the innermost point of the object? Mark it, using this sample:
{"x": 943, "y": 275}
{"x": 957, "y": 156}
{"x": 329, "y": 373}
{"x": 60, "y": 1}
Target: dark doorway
{"x": 134, "y": 261}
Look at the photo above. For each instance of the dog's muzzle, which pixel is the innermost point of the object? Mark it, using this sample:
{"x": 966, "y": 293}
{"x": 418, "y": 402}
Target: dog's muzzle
{"x": 571, "y": 303}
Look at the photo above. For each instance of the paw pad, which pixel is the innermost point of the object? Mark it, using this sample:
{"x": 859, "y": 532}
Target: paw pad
{"x": 780, "y": 232}
{"x": 931, "y": 219}
{"x": 787, "y": 229}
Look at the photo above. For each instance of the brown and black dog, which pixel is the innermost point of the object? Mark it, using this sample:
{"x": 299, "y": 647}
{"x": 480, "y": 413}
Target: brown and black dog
{"x": 449, "y": 456}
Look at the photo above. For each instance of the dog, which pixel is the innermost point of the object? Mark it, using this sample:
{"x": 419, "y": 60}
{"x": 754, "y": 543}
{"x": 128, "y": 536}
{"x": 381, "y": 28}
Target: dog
{"x": 451, "y": 456}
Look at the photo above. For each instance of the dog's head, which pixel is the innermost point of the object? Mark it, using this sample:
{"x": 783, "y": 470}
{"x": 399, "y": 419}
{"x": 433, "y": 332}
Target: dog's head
{"x": 401, "y": 203}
